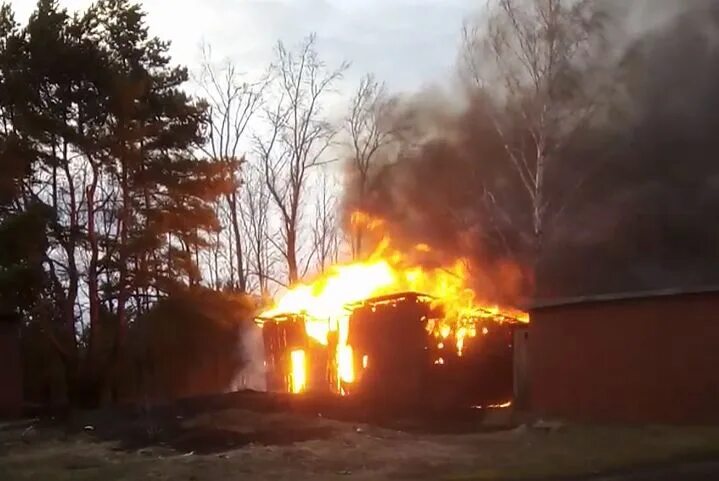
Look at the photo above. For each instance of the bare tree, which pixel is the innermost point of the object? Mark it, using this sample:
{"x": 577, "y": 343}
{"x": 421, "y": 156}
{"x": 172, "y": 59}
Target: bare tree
{"x": 68, "y": 180}
{"x": 325, "y": 228}
{"x": 370, "y": 129}
{"x": 232, "y": 104}
{"x": 298, "y": 139}
{"x": 218, "y": 254}
{"x": 532, "y": 58}
{"x": 255, "y": 218}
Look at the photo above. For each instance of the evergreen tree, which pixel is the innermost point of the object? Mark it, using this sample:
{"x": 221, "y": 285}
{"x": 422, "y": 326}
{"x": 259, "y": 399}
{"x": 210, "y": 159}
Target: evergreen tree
{"x": 165, "y": 191}
{"x": 23, "y": 221}
{"x": 113, "y": 206}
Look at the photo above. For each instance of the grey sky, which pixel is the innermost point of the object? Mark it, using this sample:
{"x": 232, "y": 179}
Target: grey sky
{"x": 407, "y": 43}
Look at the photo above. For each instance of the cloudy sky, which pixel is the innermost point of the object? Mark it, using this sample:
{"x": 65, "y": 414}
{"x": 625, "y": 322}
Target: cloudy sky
{"x": 407, "y": 43}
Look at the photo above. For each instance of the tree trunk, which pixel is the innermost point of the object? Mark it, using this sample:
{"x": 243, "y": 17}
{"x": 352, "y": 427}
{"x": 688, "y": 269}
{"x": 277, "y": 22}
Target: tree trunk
{"x": 538, "y": 214}
{"x": 92, "y": 274}
{"x": 216, "y": 282}
{"x": 123, "y": 294}
{"x": 196, "y": 247}
{"x": 292, "y": 271}
{"x": 241, "y": 278}
{"x": 70, "y": 247}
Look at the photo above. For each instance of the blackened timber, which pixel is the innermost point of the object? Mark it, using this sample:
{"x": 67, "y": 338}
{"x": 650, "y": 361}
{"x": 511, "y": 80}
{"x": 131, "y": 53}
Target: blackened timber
{"x": 392, "y": 335}
{"x": 280, "y": 339}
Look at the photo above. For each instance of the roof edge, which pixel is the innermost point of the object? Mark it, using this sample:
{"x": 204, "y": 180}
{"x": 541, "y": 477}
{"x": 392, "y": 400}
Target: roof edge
{"x": 621, "y": 296}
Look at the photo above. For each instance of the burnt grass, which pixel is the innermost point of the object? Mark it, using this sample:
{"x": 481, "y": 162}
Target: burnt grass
{"x": 251, "y": 435}
{"x": 134, "y": 427}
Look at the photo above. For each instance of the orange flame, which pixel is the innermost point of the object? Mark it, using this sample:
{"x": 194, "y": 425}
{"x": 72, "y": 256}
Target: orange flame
{"x": 323, "y": 302}
{"x": 298, "y": 380}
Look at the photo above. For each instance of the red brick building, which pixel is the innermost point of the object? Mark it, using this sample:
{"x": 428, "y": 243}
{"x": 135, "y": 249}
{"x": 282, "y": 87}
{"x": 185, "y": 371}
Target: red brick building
{"x": 644, "y": 357}
{"x": 10, "y": 369}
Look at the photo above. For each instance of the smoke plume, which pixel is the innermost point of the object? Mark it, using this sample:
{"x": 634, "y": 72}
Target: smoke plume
{"x": 640, "y": 185}
{"x": 252, "y": 375}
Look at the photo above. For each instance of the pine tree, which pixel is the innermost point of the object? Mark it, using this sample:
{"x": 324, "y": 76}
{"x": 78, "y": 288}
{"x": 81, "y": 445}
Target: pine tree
{"x": 166, "y": 192}
{"x": 98, "y": 140}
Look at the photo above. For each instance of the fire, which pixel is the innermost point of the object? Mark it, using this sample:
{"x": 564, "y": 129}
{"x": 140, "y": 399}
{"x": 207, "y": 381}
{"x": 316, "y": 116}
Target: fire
{"x": 326, "y": 298}
{"x": 346, "y": 366}
{"x": 298, "y": 381}
{"x": 323, "y": 302}
{"x": 495, "y": 406}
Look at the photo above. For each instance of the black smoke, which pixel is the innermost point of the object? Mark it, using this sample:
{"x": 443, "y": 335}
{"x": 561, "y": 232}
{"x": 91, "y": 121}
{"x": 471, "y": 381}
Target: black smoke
{"x": 641, "y": 185}
{"x": 648, "y": 219}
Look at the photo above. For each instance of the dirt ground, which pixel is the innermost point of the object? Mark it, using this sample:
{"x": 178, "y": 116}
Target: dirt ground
{"x": 249, "y": 437}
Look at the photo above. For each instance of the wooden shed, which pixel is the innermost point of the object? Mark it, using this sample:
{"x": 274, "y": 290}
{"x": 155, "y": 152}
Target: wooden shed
{"x": 649, "y": 357}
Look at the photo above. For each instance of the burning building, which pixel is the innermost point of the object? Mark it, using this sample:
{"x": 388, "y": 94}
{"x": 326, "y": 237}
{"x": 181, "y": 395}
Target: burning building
{"x": 390, "y": 328}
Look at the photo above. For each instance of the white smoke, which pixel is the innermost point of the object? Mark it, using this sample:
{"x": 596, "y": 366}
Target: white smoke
{"x": 252, "y": 375}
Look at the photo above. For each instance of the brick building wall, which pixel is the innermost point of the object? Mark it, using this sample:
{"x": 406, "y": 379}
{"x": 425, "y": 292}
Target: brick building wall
{"x": 641, "y": 359}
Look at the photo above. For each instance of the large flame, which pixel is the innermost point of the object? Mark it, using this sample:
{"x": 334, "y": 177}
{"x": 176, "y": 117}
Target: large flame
{"x": 323, "y": 302}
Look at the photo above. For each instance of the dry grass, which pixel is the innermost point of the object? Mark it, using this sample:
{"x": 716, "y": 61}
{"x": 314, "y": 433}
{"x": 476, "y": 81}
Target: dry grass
{"x": 330, "y": 450}
{"x": 585, "y": 450}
